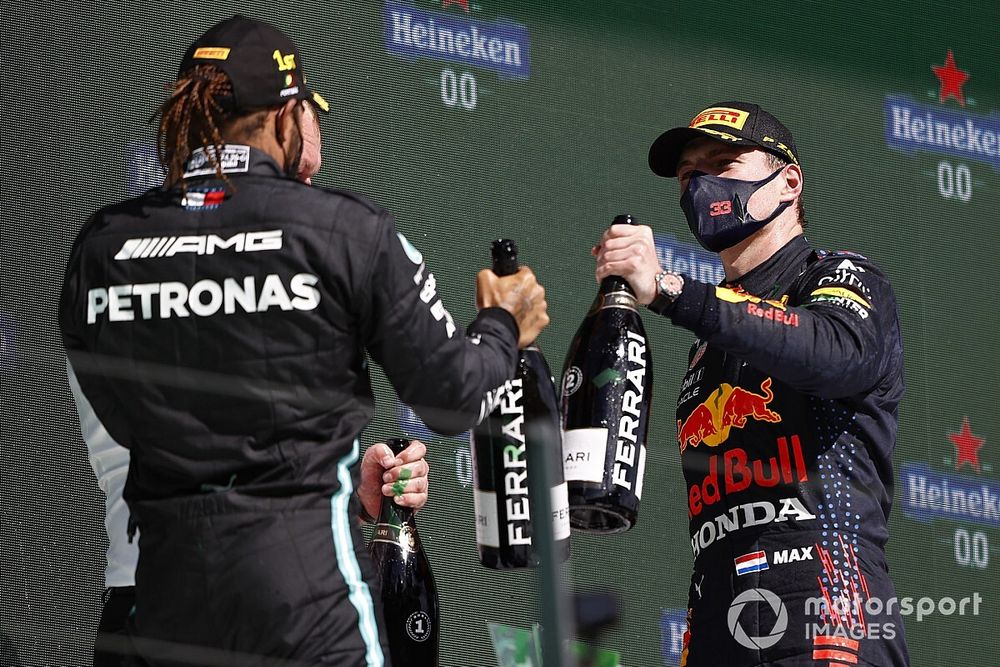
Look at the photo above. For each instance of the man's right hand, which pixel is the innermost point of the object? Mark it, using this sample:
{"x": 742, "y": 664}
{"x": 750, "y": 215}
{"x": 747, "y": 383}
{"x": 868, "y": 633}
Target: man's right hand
{"x": 629, "y": 251}
{"x": 520, "y": 295}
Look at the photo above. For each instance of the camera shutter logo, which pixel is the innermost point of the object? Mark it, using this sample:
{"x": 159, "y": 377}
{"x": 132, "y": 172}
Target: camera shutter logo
{"x": 757, "y": 596}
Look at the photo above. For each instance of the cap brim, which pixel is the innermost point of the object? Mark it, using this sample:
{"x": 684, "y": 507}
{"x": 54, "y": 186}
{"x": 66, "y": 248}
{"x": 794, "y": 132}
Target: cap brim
{"x": 666, "y": 150}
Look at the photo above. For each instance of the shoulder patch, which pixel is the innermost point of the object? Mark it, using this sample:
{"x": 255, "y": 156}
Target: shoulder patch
{"x": 822, "y": 293}
{"x": 848, "y": 265}
{"x": 839, "y": 279}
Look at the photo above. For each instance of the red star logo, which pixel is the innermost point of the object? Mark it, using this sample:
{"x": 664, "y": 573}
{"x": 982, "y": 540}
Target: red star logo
{"x": 951, "y": 79}
{"x": 464, "y": 4}
{"x": 967, "y": 446}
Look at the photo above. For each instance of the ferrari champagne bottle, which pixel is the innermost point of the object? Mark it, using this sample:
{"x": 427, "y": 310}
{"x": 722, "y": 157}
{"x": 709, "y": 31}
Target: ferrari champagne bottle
{"x": 500, "y": 445}
{"x": 607, "y": 387}
{"x": 409, "y": 595}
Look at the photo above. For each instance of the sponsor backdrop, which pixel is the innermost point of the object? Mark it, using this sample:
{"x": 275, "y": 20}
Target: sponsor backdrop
{"x": 472, "y": 119}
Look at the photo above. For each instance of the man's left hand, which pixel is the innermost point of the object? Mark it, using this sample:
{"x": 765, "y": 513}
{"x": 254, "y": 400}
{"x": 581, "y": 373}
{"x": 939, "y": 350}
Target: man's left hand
{"x": 402, "y": 477}
{"x": 628, "y": 251}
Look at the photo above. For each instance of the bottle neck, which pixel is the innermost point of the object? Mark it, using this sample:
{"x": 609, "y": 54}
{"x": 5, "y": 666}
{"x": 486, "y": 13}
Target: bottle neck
{"x": 615, "y": 292}
{"x": 397, "y": 527}
{"x": 389, "y": 512}
{"x": 615, "y": 284}
{"x": 393, "y": 514}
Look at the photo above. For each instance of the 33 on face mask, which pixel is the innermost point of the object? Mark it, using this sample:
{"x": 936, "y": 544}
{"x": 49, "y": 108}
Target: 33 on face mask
{"x": 716, "y": 209}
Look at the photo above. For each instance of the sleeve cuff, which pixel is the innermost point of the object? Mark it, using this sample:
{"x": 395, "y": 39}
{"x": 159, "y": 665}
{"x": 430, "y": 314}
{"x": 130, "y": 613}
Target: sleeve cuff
{"x": 362, "y": 512}
{"x": 500, "y": 316}
{"x": 694, "y": 309}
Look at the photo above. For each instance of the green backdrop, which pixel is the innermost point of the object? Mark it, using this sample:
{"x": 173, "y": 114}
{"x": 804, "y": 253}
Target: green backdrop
{"x": 541, "y": 138}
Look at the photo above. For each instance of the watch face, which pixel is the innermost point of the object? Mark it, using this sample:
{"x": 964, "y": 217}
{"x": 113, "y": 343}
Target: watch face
{"x": 670, "y": 285}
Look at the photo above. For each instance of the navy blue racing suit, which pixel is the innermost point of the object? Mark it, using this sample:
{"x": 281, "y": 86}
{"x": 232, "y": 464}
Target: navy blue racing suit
{"x": 786, "y": 423}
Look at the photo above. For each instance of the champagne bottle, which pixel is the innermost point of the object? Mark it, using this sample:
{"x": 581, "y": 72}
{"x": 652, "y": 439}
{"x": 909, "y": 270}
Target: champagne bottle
{"x": 499, "y": 446}
{"x": 409, "y": 594}
{"x": 607, "y": 389}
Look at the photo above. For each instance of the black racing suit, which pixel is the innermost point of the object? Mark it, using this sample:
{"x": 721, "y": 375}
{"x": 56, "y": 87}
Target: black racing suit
{"x": 786, "y": 423}
{"x": 221, "y": 337}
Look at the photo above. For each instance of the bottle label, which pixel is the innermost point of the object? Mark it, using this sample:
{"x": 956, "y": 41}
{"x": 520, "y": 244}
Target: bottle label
{"x": 559, "y": 500}
{"x": 584, "y": 451}
{"x": 487, "y": 523}
{"x": 633, "y": 413}
{"x": 641, "y": 473}
{"x": 571, "y": 381}
{"x": 615, "y": 300}
{"x": 401, "y": 536}
{"x": 419, "y": 626}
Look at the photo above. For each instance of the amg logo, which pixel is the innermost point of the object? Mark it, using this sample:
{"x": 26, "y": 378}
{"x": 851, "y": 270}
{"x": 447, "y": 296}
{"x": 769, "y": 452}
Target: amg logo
{"x": 207, "y": 244}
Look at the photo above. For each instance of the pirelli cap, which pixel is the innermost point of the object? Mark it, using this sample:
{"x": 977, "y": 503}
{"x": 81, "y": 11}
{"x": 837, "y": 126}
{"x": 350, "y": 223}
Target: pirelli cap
{"x": 262, "y": 63}
{"x": 741, "y": 123}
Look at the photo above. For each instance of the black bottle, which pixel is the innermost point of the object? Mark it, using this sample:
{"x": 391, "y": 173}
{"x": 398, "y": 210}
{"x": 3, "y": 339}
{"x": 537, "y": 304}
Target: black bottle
{"x": 409, "y": 594}
{"x": 607, "y": 389}
{"x": 500, "y": 445}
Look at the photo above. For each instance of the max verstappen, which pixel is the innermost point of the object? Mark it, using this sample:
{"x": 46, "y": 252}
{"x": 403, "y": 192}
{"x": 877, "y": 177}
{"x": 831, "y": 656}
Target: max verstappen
{"x": 787, "y": 414}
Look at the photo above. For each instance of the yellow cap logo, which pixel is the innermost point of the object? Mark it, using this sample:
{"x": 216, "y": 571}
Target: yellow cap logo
{"x": 212, "y": 53}
{"x": 285, "y": 63}
{"x": 782, "y": 147}
{"x": 721, "y": 116}
{"x": 320, "y": 102}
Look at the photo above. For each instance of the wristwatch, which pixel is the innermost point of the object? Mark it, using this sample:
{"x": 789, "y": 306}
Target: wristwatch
{"x": 669, "y": 286}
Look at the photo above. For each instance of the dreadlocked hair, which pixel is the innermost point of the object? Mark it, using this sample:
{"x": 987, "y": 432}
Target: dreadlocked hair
{"x": 192, "y": 117}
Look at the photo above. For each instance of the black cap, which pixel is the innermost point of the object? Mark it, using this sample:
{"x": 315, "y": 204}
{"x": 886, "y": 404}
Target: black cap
{"x": 740, "y": 123}
{"x": 262, "y": 63}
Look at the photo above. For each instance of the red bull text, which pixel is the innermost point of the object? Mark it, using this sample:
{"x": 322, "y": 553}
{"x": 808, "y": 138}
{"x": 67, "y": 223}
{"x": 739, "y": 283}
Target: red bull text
{"x": 739, "y": 473}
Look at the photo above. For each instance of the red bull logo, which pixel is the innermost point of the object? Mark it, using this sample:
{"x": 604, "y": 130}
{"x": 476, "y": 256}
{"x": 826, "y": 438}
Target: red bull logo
{"x": 739, "y": 295}
{"x": 727, "y": 407}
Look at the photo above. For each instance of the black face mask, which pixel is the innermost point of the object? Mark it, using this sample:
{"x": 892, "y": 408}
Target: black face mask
{"x": 716, "y": 209}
